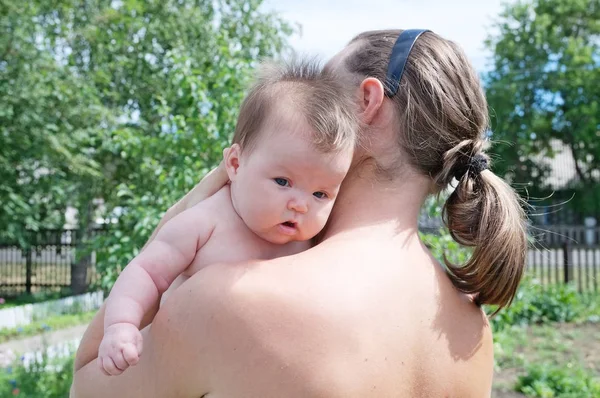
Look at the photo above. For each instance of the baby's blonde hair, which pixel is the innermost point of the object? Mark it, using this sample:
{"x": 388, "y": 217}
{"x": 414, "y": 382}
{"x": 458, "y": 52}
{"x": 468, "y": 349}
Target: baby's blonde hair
{"x": 328, "y": 108}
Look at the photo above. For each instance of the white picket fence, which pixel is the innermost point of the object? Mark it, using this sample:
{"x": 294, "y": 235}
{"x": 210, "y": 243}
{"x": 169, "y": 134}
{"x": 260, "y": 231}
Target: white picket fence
{"x": 25, "y": 314}
{"x": 46, "y": 354}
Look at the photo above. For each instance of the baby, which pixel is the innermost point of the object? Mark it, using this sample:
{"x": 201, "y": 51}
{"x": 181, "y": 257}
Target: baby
{"x": 292, "y": 147}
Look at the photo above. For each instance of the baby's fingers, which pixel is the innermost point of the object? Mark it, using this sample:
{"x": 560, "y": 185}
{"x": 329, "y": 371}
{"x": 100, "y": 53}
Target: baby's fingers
{"x": 119, "y": 360}
{"x": 131, "y": 354}
{"x": 109, "y": 367}
{"x": 100, "y": 363}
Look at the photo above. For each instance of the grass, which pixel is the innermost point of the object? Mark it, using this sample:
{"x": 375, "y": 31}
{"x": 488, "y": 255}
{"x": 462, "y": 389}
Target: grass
{"x": 547, "y": 343}
{"x": 543, "y": 359}
{"x": 49, "y": 324}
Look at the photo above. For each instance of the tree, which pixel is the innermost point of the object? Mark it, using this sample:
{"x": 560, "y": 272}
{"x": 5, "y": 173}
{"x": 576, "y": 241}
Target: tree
{"x": 544, "y": 88}
{"x": 161, "y": 84}
{"x": 46, "y": 114}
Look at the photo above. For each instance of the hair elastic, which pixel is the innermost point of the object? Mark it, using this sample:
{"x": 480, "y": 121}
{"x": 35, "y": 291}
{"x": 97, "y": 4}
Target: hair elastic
{"x": 400, "y": 53}
{"x": 476, "y": 164}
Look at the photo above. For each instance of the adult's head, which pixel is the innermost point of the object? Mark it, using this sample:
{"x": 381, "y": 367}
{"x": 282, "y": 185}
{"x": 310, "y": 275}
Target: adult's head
{"x": 292, "y": 148}
{"x": 437, "y": 120}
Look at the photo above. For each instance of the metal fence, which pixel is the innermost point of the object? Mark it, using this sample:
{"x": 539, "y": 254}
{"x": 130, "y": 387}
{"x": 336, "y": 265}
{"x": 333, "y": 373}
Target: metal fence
{"x": 48, "y": 263}
{"x": 557, "y": 235}
{"x": 579, "y": 264}
{"x": 559, "y": 254}
{"x": 566, "y": 253}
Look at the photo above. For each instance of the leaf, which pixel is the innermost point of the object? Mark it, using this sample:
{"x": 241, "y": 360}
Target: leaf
{"x": 543, "y": 92}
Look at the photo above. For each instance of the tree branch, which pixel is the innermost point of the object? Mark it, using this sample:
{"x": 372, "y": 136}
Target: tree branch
{"x": 578, "y": 169}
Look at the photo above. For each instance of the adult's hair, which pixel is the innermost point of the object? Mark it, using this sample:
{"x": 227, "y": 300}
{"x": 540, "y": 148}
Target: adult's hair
{"x": 325, "y": 104}
{"x": 442, "y": 118}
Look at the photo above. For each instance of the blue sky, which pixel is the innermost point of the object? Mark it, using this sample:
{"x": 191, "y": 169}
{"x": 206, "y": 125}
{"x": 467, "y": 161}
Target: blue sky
{"x": 328, "y": 25}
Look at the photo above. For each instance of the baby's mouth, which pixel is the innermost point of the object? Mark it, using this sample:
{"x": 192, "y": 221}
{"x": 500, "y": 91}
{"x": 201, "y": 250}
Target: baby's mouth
{"x": 289, "y": 228}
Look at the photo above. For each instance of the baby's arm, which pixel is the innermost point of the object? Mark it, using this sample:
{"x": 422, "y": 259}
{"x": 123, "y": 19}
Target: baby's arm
{"x": 142, "y": 282}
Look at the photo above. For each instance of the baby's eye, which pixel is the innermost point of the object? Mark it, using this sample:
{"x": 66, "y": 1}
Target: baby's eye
{"x": 320, "y": 195}
{"x": 281, "y": 181}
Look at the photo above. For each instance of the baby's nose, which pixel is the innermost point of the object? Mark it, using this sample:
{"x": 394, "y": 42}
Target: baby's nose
{"x": 298, "y": 205}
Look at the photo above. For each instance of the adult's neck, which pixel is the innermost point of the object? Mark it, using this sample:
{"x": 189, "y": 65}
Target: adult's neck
{"x": 372, "y": 204}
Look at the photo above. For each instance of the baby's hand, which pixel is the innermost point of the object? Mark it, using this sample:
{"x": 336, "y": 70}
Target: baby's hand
{"x": 120, "y": 348}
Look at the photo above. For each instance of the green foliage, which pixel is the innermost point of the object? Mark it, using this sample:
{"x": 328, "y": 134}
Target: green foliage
{"x": 552, "y": 381}
{"x": 440, "y": 242}
{"x": 507, "y": 342}
{"x": 47, "y": 115}
{"x": 590, "y": 308}
{"x": 545, "y": 85}
{"x": 535, "y": 303}
{"x": 127, "y": 103}
{"x": 47, "y": 378}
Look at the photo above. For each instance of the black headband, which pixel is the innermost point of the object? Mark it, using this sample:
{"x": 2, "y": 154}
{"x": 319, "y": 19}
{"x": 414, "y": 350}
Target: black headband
{"x": 398, "y": 59}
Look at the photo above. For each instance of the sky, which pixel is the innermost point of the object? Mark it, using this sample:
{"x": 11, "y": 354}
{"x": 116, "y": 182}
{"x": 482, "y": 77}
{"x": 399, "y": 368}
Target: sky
{"x": 327, "y": 25}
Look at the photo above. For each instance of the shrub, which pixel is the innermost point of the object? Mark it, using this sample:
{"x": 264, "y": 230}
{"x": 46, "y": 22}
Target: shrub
{"x": 441, "y": 244}
{"x": 551, "y": 381}
{"x": 535, "y": 303}
{"x": 46, "y": 378}
{"x": 507, "y": 344}
{"x": 590, "y": 311}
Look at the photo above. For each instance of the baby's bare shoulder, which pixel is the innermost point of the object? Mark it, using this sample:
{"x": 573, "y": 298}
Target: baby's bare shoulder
{"x": 218, "y": 204}
{"x": 202, "y": 218}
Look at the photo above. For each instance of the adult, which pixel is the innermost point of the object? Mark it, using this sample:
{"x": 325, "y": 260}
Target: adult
{"x": 368, "y": 311}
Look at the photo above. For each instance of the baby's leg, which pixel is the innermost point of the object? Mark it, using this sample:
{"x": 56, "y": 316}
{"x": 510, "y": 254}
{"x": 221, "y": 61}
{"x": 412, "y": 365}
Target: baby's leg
{"x": 176, "y": 283}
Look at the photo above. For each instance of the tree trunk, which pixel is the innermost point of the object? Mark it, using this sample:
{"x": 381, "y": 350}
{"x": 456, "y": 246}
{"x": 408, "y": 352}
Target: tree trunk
{"x": 578, "y": 169}
{"x": 83, "y": 256}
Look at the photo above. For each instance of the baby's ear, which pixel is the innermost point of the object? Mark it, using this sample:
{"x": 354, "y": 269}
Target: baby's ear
{"x": 231, "y": 157}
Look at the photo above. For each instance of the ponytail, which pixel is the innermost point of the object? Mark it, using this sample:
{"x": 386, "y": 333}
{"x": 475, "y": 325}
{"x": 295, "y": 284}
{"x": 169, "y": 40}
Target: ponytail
{"x": 485, "y": 213}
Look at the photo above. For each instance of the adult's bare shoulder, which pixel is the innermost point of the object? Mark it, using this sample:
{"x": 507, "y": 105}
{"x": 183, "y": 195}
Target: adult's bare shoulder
{"x": 248, "y": 332}
{"x": 292, "y": 327}
{"x": 462, "y": 335}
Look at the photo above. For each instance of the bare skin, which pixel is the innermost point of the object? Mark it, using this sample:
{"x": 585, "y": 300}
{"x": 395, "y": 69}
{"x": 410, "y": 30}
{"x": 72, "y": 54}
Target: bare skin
{"x": 367, "y": 312}
{"x": 280, "y": 197}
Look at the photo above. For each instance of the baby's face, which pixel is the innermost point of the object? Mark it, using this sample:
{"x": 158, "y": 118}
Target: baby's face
{"x": 284, "y": 188}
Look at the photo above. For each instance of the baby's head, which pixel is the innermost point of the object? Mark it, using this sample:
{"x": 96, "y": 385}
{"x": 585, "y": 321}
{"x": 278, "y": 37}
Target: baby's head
{"x": 292, "y": 148}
